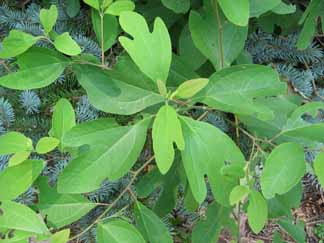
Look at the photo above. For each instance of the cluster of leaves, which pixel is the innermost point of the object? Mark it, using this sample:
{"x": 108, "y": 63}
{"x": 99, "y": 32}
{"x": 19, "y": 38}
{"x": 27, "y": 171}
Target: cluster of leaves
{"x": 165, "y": 88}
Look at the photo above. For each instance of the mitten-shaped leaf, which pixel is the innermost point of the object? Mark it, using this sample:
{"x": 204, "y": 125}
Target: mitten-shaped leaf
{"x": 283, "y": 169}
{"x": 206, "y": 151}
{"x": 150, "y": 51}
{"x": 166, "y": 131}
{"x": 48, "y": 18}
{"x": 118, "y": 231}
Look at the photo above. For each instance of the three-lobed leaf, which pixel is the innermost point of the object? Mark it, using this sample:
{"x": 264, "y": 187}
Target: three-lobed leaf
{"x": 151, "y": 51}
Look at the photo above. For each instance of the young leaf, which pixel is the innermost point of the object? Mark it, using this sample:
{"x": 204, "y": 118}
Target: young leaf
{"x": 209, "y": 229}
{"x": 191, "y": 87}
{"x": 48, "y": 18}
{"x": 61, "y": 236}
{"x": 14, "y": 142}
{"x": 19, "y": 217}
{"x": 65, "y": 44}
{"x": 46, "y": 144}
{"x": 118, "y": 231}
{"x": 283, "y": 169}
{"x": 257, "y": 211}
{"x": 111, "y": 28}
{"x": 150, "y": 51}
{"x": 319, "y": 167}
{"x": 111, "y": 158}
{"x": 166, "y": 131}
{"x": 247, "y": 82}
{"x": 63, "y": 118}
{"x": 205, "y": 35}
{"x": 116, "y": 8}
{"x": 48, "y": 65}
{"x": 61, "y": 209}
{"x": 114, "y": 94}
{"x": 150, "y": 225}
{"x": 18, "y": 158}
{"x": 238, "y": 12}
{"x": 177, "y": 6}
{"x": 238, "y": 194}
{"x": 19, "y": 178}
{"x": 17, "y": 43}
{"x": 204, "y": 156}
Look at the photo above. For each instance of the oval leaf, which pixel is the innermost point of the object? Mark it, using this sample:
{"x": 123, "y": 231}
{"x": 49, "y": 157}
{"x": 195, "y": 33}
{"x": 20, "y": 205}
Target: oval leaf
{"x": 238, "y": 194}
{"x": 46, "y": 145}
{"x": 14, "y": 142}
{"x": 238, "y": 12}
{"x": 191, "y": 87}
{"x": 65, "y": 44}
{"x": 116, "y": 8}
{"x": 257, "y": 211}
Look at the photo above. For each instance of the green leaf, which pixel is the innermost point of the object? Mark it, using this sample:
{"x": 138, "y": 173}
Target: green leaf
{"x": 91, "y": 132}
{"x": 61, "y": 209}
{"x": 319, "y": 167}
{"x": 111, "y": 28}
{"x": 258, "y": 8}
{"x": 238, "y": 12}
{"x": 17, "y": 43}
{"x": 48, "y": 18}
{"x": 188, "y": 52}
{"x": 300, "y": 128}
{"x": 110, "y": 92}
{"x": 72, "y": 8}
{"x": 238, "y": 194}
{"x": 18, "y": 158}
{"x": 235, "y": 90}
{"x": 118, "y": 231}
{"x": 19, "y": 178}
{"x": 47, "y": 63}
{"x": 177, "y": 6}
{"x": 19, "y": 217}
{"x": 310, "y": 17}
{"x": 151, "y": 51}
{"x": 63, "y": 119}
{"x": 209, "y": 229}
{"x": 166, "y": 131}
{"x": 191, "y": 87}
{"x": 168, "y": 186}
{"x": 283, "y": 169}
{"x": 14, "y": 142}
{"x": 116, "y": 8}
{"x": 205, "y": 35}
{"x": 150, "y": 225}
{"x": 93, "y": 3}
{"x": 284, "y": 8}
{"x": 111, "y": 158}
{"x": 204, "y": 156}
{"x": 65, "y": 44}
{"x": 296, "y": 231}
{"x": 46, "y": 144}
{"x": 257, "y": 211}
{"x": 61, "y": 236}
